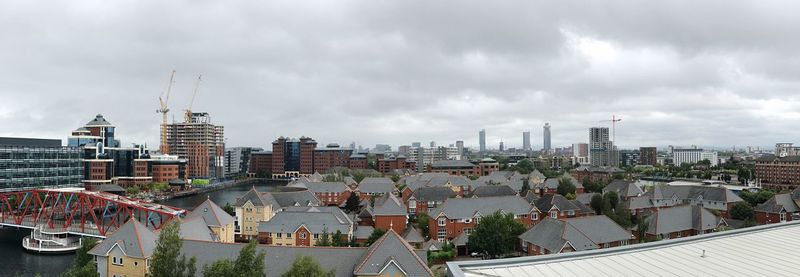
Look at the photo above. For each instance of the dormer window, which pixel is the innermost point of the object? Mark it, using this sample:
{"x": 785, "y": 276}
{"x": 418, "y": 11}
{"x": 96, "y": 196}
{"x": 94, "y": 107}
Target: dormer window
{"x": 554, "y": 214}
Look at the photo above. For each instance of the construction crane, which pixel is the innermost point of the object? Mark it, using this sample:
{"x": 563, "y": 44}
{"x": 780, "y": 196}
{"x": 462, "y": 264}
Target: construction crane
{"x": 613, "y": 121}
{"x": 163, "y": 110}
{"x": 188, "y": 116}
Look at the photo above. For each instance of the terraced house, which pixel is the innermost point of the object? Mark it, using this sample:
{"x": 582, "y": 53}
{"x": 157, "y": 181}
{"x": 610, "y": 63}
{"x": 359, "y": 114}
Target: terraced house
{"x": 216, "y": 219}
{"x": 682, "y": 221}
{"x": 329, "y": 193}
{"x": 780, "y": 208}
{"x": 303, "y": 226}
{"x": 461, "y": 215}
{"x": 373, "y": 186}
{"x": 716, "y": 198}
{"x": 459, "y": 184}
{"x": 556, "y": 206}
{"x": 553, "y": 236}
{"x": 425, "y": 199}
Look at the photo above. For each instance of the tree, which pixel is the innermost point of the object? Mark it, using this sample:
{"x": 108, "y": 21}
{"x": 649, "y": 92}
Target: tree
{"x": 496, "y": 234}
{"x": 165, "y": 261}
{"x": 358, "y": 176}
{"x": 526, "y": 186}
{"x": 324, "y": 238}
{"x": 597, "y": 203}
{"x": 756, "y": 198}
{"x": 395, "y": 178}
{"x": 642, "y": 228}
{"x": 422, "y": 223}
{"x": 337, "y": 239}
{"x": 565, "y": 187}
{"x": 353, "y": 203}
{"x": 229, "y": 209}
{"x": 742, "y": 211}
{"x": 524, "y": 166}
{"x": 611, "y": 199}
{"x": 376, "y": 234}
{"x": 84, "y": 264}
{"x": 570, "y": 196}
{"x": 305, "y": 266}
{"x": 132, "y": 190}
{"x": 248, "y": 263}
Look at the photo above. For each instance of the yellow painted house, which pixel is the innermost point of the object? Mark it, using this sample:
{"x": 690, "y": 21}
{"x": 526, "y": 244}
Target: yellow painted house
{"x": 219, "y": 221}
{"x": 253, "y": 207}
{"x": 126, "y": 252}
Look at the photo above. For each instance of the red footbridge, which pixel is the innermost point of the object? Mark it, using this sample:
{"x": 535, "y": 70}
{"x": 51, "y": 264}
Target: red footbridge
{"x": 79, "y": 212}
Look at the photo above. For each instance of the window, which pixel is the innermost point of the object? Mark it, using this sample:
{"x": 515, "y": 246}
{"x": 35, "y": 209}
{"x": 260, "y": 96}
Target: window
{"x": 783, "y": 217}
{"x": 303, "y": 235}
{"x": 541, "y": 250}
{"x": 468, "y": 231}
{"x": 116, "y": 261}
{"x": 441, "y": 234}
{"x": 534, "y": 216}
{"x": 288, "y": 235}
{"x": 554, "y": 214}
{"x": 442, "y": 221}
{"x": 623, "y": 242}
{"x": 316, "y": 236}
{"x": 279, "y": 235}
{"x": 571, "y": 213}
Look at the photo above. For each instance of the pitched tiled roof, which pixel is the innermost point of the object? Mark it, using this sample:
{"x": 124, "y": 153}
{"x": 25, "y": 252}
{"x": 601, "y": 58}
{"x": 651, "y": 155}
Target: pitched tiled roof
{"x": 316, "y": 221}
{"x": 585, "y": 198}
{"x": 623, "y": 188}
{"x": 583, "y": 233}
{"x": 133, "y": 238}
{"x": 376, "y": 185}
{"x": 488, "y": 191}
{"x": 720, "y": 194}
{"x": 452, "y": 164}
{"x": 680, "y": 218}
{"x": 98, "y": 121}
{"x": 412, "y": 235}
{"x": 327, "y": 187}
{"x": 391, "y": 248}
{"x": 433, "y": 193}
{"x": 389, "y": 205}
{"x": 258, "y": 199}
{"x": 363, "y": 232}
{"x": 196, "y": 229}
{"x": 294, "y": 198}
{"x": 548, "y": 201}
{"x": 212, "y": 214}
{"x": 778, "y": 203}
{"x": 458, "y": 208}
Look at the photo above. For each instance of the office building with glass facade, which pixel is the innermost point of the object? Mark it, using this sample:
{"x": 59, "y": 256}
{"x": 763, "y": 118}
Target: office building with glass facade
{"x": 32, "y": 163}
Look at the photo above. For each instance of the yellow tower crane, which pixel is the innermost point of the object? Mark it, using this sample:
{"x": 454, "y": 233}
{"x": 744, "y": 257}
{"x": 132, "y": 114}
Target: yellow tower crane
{"x": 188, "y": 116}
{"x": 163, "y": 110}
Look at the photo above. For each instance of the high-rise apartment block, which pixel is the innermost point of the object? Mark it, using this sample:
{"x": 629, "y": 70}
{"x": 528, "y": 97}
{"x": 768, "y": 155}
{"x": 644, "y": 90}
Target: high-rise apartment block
{"x": 460, "y": 147}
{"x": 600, "y": 147}
{"x": 200, "y": 142}
{"x": 291, "y": 157}
{"x": 482, "y": 141}
{"x": 546, "y": 136}
{"x": 648, "y": 156}
{"x": 526, "y": 141}
{"x": 580, "y": 153}
{"x": 786, "y": 150}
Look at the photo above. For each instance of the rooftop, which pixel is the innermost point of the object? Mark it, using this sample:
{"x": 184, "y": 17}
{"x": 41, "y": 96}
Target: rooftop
{"x": 728, "y": 253}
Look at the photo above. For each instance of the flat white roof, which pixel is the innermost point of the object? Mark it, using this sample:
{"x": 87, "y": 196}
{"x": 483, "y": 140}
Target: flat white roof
{"x": 769, "y": 250}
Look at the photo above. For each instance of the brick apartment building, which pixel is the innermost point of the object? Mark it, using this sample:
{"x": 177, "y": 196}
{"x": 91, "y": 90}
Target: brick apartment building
{"x": 388, "y": 164}
{"x": 781, "y": 173}
{"x": 460, "y": 215}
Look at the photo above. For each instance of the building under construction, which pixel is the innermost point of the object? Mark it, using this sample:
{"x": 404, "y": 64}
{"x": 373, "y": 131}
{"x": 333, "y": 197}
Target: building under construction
{"x": 200, "y": 143}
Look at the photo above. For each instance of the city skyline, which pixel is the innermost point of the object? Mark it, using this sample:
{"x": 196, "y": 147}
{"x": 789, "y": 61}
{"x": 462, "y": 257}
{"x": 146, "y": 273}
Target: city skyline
{"x": 296, "y": 70}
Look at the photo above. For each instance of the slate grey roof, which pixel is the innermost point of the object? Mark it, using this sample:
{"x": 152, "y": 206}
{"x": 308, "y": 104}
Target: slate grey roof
{"x": 680, "y": 218}
{"x": 363, "y": 232}
{"x": 550, "y": 183}
{"x": 327, "y": 187}
{"x": 278, "y": 259}
{"x": 600, "y": 169}
{"x": 772, "y": 158}
{"x": 433, "y": 194}
{"x": 585, "y": 198}
{"x": 432, "y": 245}
{"x": 294, "y": 198}
{"x": 132, "y": 237}
{"x": 583, "y": 233}
{"x": 392, "y": 248}
{"x": 98, "y": 121}
{"x": 638, "y": 202}
{"x": 258, "y": 199}
{"x": 412, "y": 235}
{"x": 537, "y": 173}
{"x": 196, "y": 229}
{"x": 778, "y": 203}
{"x": 212, "y": 214}
{"x": 460, "y": 208}
{"x": 452, "y": 164}
{"x": 488, "y": 191}
{"x": 316, "y": 221}
{"x": 720, "y": 194}
{"x": 376, "y": 185}
{"x": 389, "y": 205}
{"x": 548, "y": 201}
{"x": 624, "y": 188}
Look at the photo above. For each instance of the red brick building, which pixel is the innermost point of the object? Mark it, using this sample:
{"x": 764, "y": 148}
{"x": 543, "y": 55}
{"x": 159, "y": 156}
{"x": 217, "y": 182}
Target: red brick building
{"x": 388, "y": 164}
{"x": 461, "y": 215}
{"x": 780, "y": 208}
{"x": 389, "y": 213}
{"x": 781, "y": 173}
{"x": 260, "y": 163}
{"x": 553, "y": 236}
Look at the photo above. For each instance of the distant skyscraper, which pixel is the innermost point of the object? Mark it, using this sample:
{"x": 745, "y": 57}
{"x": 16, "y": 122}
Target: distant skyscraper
{"x": 546, "y": 137}
{"x": 482, "y": 139}
{"x": 416, "y": 144}
{"x": 460, "y": 147}
{"x": 526, "y": 141}
{"x": 501, "y": 146}
{"x": 600, "y": 148}
{"x": 433, "y": 144}
{"x": 648, "y": 156}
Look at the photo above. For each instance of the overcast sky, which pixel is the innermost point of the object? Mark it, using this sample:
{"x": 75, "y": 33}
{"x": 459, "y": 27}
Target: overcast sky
{"x": 717, "y": 73}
